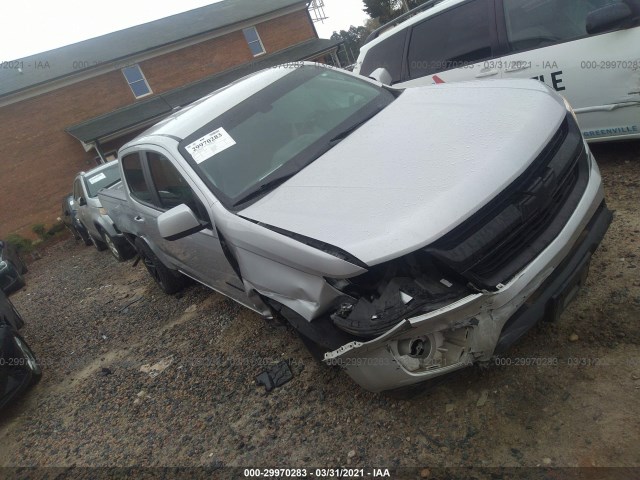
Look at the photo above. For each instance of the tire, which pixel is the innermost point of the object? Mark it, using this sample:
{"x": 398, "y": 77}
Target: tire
{"x": 99, "y": 244}
{"x": 85, "y": 237}
{"x": 118, "y": 249}
{"x": 20, "y": 283}
{"x": 74, "y": 232}
{"x": 32, "y": 361}
{"x": 169, "y": 281}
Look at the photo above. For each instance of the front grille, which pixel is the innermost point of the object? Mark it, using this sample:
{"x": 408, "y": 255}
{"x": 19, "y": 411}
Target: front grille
{"x": 509, "y": 232}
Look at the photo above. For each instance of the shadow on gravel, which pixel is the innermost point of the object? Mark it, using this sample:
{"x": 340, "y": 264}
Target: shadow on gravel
{"x": 616, "y": 151}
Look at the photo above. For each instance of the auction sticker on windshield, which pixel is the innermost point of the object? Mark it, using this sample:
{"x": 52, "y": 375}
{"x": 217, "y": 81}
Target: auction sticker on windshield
{"x": 211, "y": 144}
{"x": 96, "y": 178}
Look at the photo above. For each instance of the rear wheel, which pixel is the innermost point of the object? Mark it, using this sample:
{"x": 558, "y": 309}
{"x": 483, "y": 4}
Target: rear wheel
{"x": 169, "y": 281}
{"x": 118, "y": 249}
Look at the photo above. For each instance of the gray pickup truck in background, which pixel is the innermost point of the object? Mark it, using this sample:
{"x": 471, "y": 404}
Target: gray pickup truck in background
{"x": 92, "y": 216}
{"x": 403, "y": 233}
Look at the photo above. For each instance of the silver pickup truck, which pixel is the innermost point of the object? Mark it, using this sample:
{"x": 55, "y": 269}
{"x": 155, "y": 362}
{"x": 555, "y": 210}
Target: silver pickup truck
{"x": 403, "y": 233}
{"x": 92, "y": 216}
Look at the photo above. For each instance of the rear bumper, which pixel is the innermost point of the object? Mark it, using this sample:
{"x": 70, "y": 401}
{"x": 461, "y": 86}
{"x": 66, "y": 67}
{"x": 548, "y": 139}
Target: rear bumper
{"x": 471, "y": 329}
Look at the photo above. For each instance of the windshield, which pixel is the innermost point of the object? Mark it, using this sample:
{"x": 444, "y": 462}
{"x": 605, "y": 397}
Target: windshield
{"x": 105, "y": 178}
{"x": 279, "y": 130}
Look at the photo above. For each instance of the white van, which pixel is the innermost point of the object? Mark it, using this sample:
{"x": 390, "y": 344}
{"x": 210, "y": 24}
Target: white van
{"x": 587, "y": 50}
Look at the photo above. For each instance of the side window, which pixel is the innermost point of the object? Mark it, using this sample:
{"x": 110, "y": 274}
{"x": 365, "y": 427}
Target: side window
{"x": 540, "y": 23}
{"x": 387, "y": 54}
{"x": 453, "y": 39}
{"x": 172, "y": 188}
{"x": 134, "y": 176}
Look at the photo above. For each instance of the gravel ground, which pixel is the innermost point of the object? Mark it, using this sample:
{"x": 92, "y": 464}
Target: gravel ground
{"x": 136, "y": 378}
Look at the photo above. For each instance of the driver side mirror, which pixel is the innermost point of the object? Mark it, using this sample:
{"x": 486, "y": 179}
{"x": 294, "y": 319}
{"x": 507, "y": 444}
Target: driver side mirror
{"x": 179, "y": 222}
{"x": 381, "y": 75}
{"x": 608, "y": 18}
{"x": 82, "y": 202}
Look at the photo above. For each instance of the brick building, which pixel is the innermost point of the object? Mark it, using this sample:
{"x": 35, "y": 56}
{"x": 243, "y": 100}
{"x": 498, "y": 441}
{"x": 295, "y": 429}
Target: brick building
{"x": 63, "y": 110}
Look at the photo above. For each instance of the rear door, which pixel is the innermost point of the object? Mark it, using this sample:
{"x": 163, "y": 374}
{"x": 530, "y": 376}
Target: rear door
{"x": 599, "y": 74}
{"x": 453, "y": 45}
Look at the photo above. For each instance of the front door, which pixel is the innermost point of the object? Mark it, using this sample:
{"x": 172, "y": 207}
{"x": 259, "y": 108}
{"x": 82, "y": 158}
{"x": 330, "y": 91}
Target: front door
{"x": 598, "y": 74}
{"x": 198, "y": 255}
{"x": 455, "y": 45}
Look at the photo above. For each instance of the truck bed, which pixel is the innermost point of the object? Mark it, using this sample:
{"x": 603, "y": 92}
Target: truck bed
{"x": 114, "y": 201}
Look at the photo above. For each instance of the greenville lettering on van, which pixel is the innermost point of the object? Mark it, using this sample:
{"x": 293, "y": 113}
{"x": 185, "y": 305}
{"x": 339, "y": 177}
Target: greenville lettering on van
{"x": 612, "y": 131}
{"x": 556, "y": 80}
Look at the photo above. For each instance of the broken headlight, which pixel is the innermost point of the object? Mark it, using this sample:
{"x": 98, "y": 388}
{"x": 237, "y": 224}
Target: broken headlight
{"x": 379, "y": 299}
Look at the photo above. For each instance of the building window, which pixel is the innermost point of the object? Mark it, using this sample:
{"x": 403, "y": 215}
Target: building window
{"x": 136, "y": 81}
{"x": 253, "y": 39}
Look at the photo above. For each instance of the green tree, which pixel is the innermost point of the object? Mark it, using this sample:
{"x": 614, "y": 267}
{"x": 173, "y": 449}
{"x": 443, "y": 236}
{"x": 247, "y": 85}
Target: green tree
{"x": 387, "y": 10}
{"x": 354, "y": 39}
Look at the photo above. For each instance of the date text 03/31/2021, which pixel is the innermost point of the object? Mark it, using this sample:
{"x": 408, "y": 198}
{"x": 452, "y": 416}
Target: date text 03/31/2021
{"x": 316, "y": 473}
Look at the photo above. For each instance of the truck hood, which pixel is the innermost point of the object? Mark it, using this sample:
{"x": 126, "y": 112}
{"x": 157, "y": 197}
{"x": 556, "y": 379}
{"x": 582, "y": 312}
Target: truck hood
{"x": 418, "y": 169}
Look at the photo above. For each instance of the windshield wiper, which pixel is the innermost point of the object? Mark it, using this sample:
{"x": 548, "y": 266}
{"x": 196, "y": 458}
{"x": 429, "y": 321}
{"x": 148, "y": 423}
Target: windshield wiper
{"x": 264, "y": 188}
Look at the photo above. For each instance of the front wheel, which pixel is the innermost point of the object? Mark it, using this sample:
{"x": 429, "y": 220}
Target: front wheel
{"x": 169, "y": 281}
{"x": 74, "y": 232}
{"x": 84, "y": 235}
{"x": 99, "y": 244}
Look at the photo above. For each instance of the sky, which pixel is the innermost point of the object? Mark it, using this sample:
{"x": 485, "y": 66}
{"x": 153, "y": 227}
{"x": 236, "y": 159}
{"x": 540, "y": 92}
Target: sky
{"x": 30, "y": 27}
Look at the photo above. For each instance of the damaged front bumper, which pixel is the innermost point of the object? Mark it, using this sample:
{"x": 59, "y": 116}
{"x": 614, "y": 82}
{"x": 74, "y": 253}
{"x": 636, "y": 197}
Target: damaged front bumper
{"x": 473, "y": 328}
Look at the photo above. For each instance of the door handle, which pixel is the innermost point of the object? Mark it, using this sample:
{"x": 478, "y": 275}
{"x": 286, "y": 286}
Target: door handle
{"x": 487, "y": 73}
{"x": 139, "y": 219}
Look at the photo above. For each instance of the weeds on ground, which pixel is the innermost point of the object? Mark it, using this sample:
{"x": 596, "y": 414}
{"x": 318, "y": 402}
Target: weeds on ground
{"x": 21, "y": 244}
{"x": 24, "y": 245}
